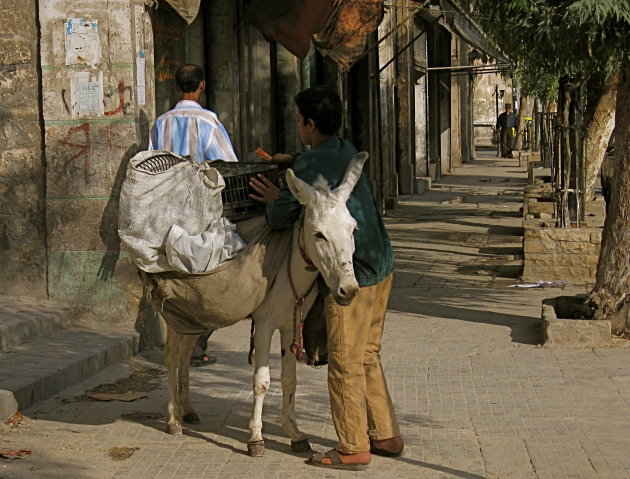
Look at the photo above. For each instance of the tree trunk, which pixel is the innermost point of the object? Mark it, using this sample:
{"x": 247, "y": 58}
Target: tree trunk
{"x": 598, "y": 134}
{"x": 520, "y": 122}
{"x": 609, "y": 297}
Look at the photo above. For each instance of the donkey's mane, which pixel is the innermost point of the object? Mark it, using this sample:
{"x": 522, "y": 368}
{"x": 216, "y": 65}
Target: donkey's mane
{"x": 321, "y": 184}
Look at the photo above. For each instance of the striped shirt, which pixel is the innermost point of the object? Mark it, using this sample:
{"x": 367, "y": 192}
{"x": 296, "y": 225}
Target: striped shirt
{"x": 189, "y": 129}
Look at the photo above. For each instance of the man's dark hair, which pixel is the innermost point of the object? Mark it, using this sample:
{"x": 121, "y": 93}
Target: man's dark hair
{"x": 322, "y": 105}
{"x": 188, "y": 77}
{"x": 508, "y": 105}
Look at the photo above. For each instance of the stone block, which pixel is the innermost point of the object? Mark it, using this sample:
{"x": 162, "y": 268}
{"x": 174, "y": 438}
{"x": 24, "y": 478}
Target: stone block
{"x": 536, "y": 207}
{"x": 8, "y": 404}
{"x": 548, "y": 272}
{"x": 568, "y": 332}
{"x": 20, "y": 128}
{"x": 15, "y": 81}
{"x": 423, "y": 184}
{"x": 523, "y": 159}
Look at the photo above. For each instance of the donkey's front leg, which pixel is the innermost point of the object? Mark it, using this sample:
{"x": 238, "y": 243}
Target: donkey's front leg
{"x": 262, "y": 345}
{"x": 299, "y": 441}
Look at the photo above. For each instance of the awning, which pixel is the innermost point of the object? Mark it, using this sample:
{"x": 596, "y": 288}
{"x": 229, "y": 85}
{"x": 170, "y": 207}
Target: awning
{"x": 345, "y": 35}
{"x": 187, "y": 9}
{"x": 289, "y": 22}
{"x": 460, "y": 24}
{"x": 338, "y": 28}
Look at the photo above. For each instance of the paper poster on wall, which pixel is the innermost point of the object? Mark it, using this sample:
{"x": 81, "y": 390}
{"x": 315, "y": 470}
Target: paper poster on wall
{"x": 87, "y": 94}
{"x": 141, "y": 78}
{"x": 82, "y": 42}
{"x": 139, "y": 23}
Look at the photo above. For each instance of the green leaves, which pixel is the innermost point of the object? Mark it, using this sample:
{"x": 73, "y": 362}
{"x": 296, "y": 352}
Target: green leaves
{"x": 554, "y": 38}
{"x": 599, "y": 11}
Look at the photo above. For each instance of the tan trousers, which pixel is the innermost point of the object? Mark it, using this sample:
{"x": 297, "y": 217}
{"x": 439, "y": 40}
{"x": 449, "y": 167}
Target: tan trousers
{"x": 359, "y": 400}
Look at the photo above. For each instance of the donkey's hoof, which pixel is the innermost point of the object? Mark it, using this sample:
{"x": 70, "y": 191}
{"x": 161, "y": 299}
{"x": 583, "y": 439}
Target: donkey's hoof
{"x": 191, "y": 418}
{"x": 256, "y": 448}
{"x": 174, "y": 429}
{"x": 301, "y": 446}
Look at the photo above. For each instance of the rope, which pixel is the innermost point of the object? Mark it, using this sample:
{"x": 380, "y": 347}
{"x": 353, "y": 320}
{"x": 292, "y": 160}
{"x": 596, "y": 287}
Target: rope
{"x": 250, "y": 356}
{"x": 309, "y": 264}
{"x": 297, "y": 346}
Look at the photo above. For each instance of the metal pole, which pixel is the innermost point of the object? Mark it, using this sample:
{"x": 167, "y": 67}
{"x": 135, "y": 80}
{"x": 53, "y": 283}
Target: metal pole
{"x": 496, "y": 106}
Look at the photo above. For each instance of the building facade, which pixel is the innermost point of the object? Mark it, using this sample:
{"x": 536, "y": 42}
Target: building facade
{"x": 82, "y": 83}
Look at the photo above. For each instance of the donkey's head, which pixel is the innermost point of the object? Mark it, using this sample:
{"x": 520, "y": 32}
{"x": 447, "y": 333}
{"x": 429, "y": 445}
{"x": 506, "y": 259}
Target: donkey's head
{"x": 328, "y": 228}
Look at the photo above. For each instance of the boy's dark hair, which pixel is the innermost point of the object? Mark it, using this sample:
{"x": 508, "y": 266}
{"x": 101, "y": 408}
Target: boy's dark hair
{"x": 322, "y": 105}
{"x": 188, "y": 77}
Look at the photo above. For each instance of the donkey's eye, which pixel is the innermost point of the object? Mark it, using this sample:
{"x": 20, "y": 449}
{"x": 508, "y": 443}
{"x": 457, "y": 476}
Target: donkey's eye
{"x": 320, "y": 236}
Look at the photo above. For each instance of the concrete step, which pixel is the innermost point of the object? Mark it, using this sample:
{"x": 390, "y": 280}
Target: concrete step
{"x": 23, "y": 319}
{"x": 43, "y": 366}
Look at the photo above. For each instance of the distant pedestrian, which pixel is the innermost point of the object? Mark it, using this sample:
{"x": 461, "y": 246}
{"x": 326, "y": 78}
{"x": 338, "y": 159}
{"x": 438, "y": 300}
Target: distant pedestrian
{"x": 191, "y": 130}
{"x": 506, "y": 123}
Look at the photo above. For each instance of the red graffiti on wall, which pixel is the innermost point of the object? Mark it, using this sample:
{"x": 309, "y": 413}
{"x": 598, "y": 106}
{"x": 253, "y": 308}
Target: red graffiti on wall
{"x": 122, "y": 106}
{"x": 82, "y": 148}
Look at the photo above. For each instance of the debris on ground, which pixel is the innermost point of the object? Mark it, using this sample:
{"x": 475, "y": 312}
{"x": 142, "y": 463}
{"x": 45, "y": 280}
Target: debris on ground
{"x": 15, "y": 453}
{"x": 121, "y": 453}
{"x": 136, "y": 386}
{"x": 128, "y": 396}
{"x": 15, "y": 420}
{"x": 541, "y": 284}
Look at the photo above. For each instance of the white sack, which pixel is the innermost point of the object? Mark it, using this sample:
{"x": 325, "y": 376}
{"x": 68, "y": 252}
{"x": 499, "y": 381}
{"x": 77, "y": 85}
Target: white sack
{"x": 203, "y": 252}
{"x": 187, "y": 194}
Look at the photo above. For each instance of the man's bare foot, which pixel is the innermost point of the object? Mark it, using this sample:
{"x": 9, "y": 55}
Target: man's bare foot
{"x": 334, "y": 459}
{"x": 391, "y": 447}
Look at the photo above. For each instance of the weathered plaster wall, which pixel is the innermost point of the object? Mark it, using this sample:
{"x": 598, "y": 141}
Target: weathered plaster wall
{"x": 22, "y": 233}
{"x": 89, "y": 140}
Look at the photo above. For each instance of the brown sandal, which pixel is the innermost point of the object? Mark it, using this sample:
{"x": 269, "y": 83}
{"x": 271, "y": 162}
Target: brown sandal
{"x": 335, "y": 460}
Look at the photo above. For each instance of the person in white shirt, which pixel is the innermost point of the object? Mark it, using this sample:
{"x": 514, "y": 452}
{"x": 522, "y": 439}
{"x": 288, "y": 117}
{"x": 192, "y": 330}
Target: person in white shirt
{"x": 191, "y": 130}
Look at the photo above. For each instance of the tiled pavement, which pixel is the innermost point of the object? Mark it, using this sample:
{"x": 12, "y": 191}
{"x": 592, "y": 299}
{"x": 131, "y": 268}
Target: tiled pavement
{"x": 476, "y": 395}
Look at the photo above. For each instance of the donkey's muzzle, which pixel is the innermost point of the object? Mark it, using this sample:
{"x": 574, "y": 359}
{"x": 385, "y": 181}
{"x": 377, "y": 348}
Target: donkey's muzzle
{"x": 345, "y": 294}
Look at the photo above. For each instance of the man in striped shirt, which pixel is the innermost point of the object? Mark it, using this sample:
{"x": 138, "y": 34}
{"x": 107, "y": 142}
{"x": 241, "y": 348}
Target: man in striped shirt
{"x": 189, "y": 129}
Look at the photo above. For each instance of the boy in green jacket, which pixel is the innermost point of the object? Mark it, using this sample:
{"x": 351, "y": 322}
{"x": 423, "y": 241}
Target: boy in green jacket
{"x": 360, "y": 403}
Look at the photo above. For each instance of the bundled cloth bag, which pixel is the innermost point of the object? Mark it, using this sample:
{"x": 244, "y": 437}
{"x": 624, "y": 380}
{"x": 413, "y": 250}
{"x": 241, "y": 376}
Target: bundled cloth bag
{"x": 170, "y": 215}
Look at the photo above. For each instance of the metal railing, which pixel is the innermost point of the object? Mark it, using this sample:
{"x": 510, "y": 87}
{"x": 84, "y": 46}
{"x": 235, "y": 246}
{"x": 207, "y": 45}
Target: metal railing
{"x": 561, "y": 150}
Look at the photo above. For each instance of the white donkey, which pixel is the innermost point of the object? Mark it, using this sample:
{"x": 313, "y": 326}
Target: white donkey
{"x": 322, "y": 243}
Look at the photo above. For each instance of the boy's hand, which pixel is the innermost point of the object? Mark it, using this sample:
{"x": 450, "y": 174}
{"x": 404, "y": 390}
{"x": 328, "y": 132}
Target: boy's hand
{"x": 265, "y": 189}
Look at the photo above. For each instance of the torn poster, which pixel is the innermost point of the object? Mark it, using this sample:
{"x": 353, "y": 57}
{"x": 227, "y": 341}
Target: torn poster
{"x": 82, "y": 42}
{"x": 141, "y": 78}
{"x": 87, "y": 94}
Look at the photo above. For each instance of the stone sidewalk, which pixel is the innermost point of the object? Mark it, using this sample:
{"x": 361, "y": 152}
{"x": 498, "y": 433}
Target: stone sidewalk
{"x": 477, "y": 396}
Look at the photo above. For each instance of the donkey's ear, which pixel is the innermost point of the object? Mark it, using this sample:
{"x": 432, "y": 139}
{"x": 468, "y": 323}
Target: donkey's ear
{"x": 353, "y": 173}
{"x": 304, "y": 192}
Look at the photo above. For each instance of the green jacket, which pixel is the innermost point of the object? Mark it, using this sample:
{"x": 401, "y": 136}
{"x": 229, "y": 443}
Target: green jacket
{"x": 373, "y": 256}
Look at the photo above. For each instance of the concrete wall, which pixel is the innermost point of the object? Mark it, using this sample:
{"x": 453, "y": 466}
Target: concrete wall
{"x": 22, "y": 232}
{"x": 95, "y": 120}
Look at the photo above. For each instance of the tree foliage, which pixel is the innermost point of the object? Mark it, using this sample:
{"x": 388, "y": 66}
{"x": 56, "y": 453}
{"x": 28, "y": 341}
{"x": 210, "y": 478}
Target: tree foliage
{"x": 550, "y": 39}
